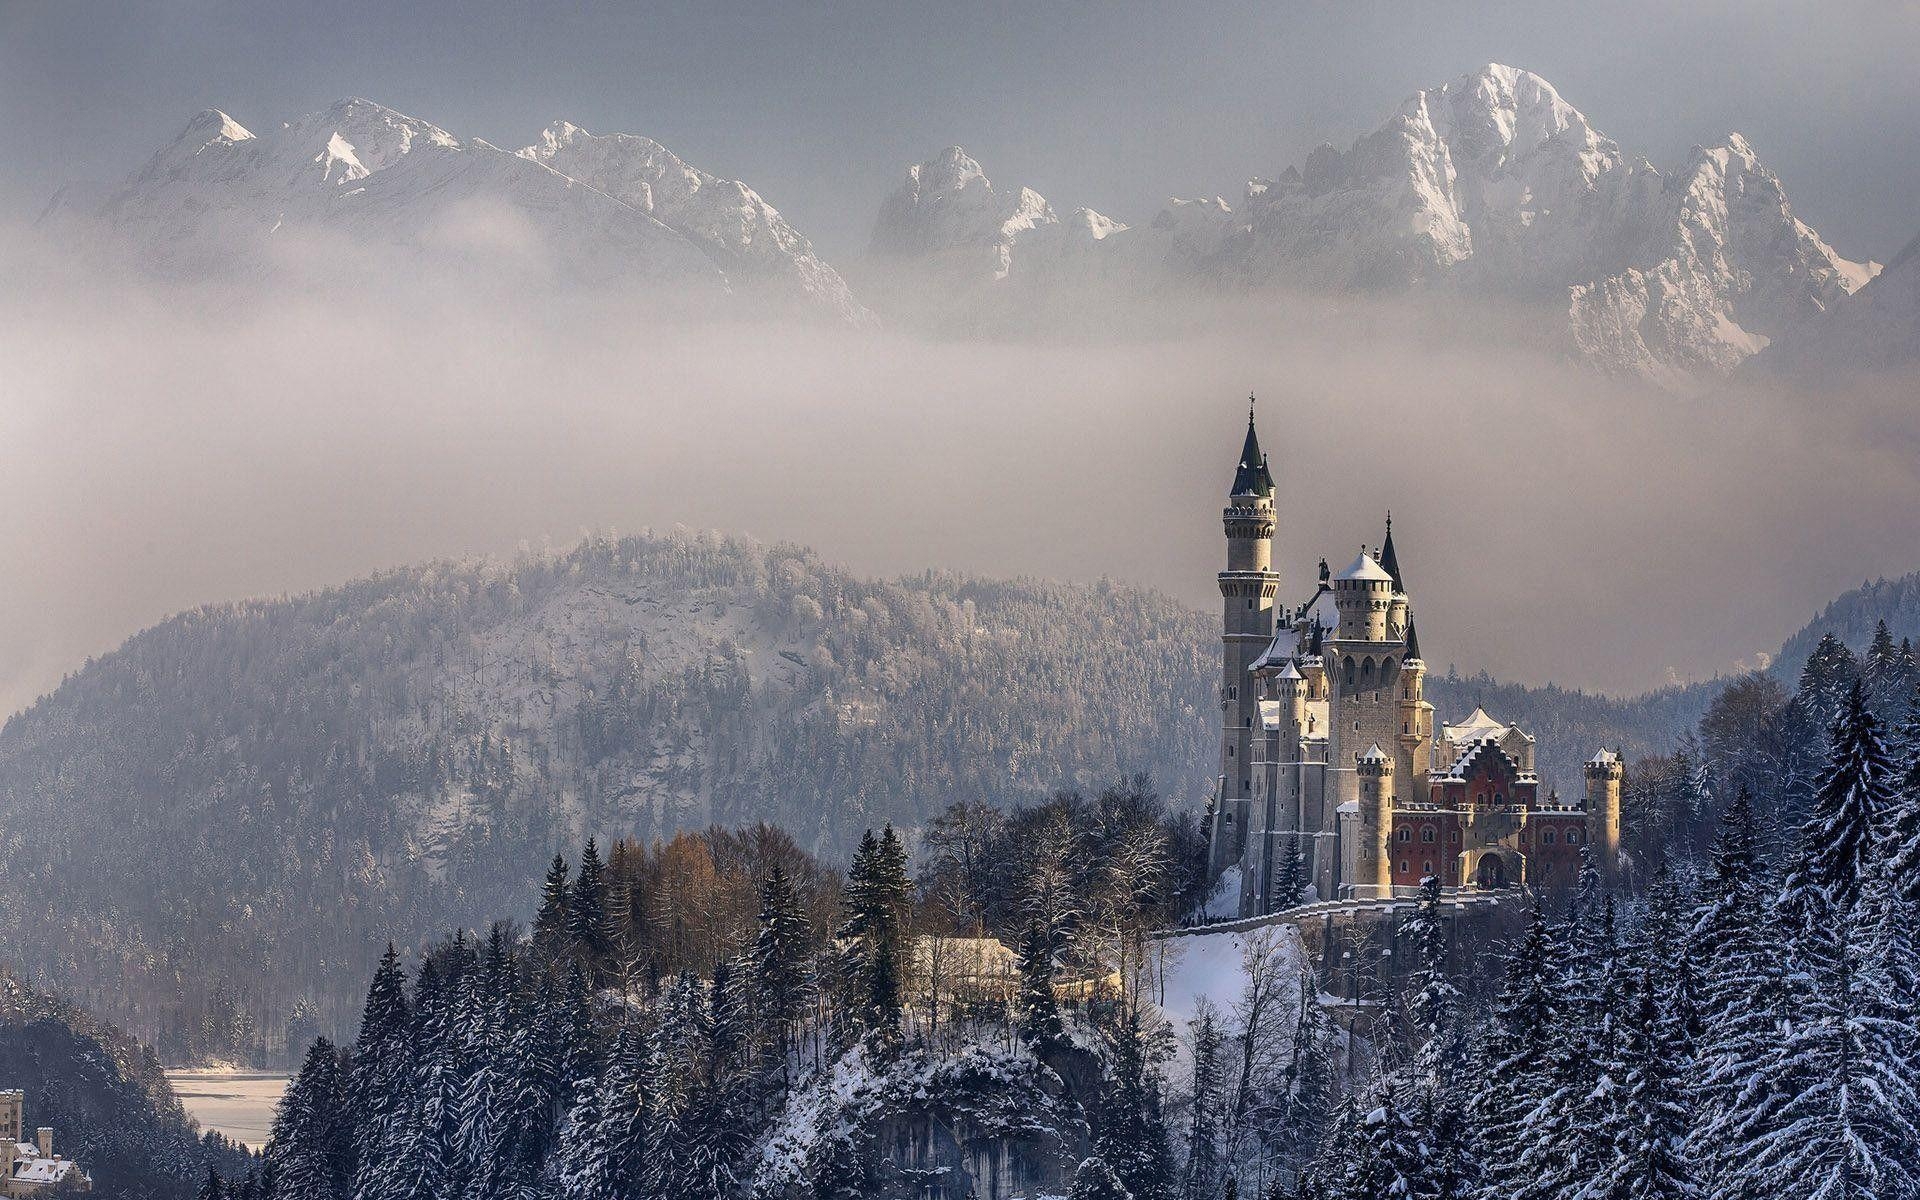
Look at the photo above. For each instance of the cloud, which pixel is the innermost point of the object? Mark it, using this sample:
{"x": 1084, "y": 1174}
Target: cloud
{"x": 167, "y": 445}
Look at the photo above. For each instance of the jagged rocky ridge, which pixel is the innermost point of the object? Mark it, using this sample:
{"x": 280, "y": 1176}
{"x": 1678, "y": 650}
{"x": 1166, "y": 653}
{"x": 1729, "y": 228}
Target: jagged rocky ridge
{"x": 357, "y": 178}
{"x": 1491, "y": 185}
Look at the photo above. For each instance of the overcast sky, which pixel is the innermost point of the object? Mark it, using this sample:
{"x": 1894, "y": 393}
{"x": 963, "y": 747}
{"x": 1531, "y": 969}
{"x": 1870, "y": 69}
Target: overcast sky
{"x": 1114, "y": 105}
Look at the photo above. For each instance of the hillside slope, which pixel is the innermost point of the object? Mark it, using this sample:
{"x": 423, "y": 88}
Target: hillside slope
{"x": 225, "y": 817}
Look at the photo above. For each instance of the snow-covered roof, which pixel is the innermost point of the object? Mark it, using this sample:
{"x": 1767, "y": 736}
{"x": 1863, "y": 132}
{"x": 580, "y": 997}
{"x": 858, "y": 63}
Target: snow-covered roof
{"x": 1374, "y": 754}
{"x": 1365, "y": 568}
{"x": 1605, "y": 758}
{"x": 1322, "y": 609}
{"x": 29, "y": 1167}
{"x": 1289, "y": 671}
{"x": 1270, "y": 710}
{"x": 1285, "y": 645}
{"x": 1475, "y": 728}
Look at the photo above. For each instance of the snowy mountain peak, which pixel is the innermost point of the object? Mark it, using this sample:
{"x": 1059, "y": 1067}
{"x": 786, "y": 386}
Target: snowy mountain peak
{"x": 729, "y": 221}
{"x": 948, "y": 208}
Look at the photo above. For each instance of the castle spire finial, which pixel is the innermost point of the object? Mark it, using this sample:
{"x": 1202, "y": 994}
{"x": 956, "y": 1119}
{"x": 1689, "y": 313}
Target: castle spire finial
{"x": 1249, "y": 408}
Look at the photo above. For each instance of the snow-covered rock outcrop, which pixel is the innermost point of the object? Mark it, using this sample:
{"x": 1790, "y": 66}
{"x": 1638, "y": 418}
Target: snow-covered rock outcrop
{"x": 1491, "y": 185}
{"x": 741, "y": 232}
{"x": 1876, "y": 329}
{"x": 358, "y": 183}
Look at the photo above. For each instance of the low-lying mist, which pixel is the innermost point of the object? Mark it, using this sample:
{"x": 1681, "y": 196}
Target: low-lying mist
{"x": 165, "y": 445}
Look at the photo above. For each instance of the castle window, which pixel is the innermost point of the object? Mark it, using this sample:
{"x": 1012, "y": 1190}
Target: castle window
{"x": 1366, "y": 673}
{"x": 1546, "y": 837}
{"x": 1456, "y": 837}
{"x": 1426, "y": 835}
{"x": 1497, "y": 798}
{"x": 1403, "y": 866}
{"x": 1346, "y": 672}
{"x": 1426, "y": 867}
{"x": 1405, "y": 835}
{"x": 1573, "y": 837}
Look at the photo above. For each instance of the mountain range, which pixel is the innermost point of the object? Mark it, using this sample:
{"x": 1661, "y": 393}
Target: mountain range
{"x": 1491, "y": 186}
{"x": 1488, "y": 189}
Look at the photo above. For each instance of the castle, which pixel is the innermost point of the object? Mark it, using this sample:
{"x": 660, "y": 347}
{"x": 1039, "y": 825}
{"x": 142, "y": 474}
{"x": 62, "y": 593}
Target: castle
{"x": 1335, "y": 775}
{"x": 28, "y": 1168}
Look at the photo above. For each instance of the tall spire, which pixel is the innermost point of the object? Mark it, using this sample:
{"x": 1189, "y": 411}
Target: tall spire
{"x": 1413, "y": 640}
{"x": 1251, "y": 477}
{"x": 1389, "y": 559}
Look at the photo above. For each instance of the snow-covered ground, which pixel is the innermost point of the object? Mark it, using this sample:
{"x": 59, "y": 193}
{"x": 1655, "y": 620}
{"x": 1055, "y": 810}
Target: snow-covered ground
{"x": 238, "y": 1103}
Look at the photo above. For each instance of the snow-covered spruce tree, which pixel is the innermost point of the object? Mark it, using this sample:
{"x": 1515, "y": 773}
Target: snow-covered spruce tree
{"x": 1290, "y": 879}
{"x": 1524, "y": 1064}
{"x": 212, "y": 1187}
{"x": 1130, "y": 1130}
{"x": 588, "y": 927}
{"x": 1647, "y": 1118}
{"x": 1039, "y": 1015}
{"x": 1392, "y": 1154}
{"x": 585, "y": 1164}
{"x": 1330, "y": 1174}
{"x": 1901, "y": 829}
{"x": 1204, "y": 1169}
{"x": 1856, "y": 793}
{"x": 379, "y": 1076}
{"x": 1888, "y": 673}
{"x": 550, "y": 937}
{"x": 1095, "y": 1179}
{"x": 781, "y": 966}
{"x": 1845, "y": 1123}
{"x": 1830, "y": 673}
{"x": 1436, "y": 999}
{"x": 624, "y": 1114}
{"x": 876, "y": 900}
{"x": 309, "y": 1149}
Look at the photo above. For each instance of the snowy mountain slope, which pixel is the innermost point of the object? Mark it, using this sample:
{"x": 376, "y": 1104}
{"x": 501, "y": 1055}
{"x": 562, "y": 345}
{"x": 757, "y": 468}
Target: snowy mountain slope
{"x": 359, "y": 183}
{"x": 1876, "y": 329}
{"x": 1490, "y": 185}
{"x": 744, "y": 234}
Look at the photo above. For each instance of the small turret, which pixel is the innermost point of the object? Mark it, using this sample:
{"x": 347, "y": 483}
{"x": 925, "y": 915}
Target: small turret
{"x": 1363, "y": 593}
{"x": 1605, "y": 772}
{"x": 1374, "y": 767}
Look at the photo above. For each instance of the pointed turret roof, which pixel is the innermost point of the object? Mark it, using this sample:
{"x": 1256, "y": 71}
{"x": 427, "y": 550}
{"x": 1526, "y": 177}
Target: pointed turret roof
{"x": 1390, "y": 560}
{"x": 1413, "y": 640}
{"x": 1251, "y": 477}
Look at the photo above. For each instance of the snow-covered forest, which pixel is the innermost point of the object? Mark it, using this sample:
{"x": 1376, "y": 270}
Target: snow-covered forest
{"x": 1740, "y": 1019}
{"x": 211, "y": 830}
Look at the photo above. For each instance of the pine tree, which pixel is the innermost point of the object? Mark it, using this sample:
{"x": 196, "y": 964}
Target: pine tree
{"x": 1040, "y": 1020}
{"x": 780, "y": 964}
{"x": 1830, "y": 673}
{"x": 1290, "y": 879}
{"x": 876, "y": 898}
{"x": 585, "y": 1163}
{"x": 1901, "y": 829}
{"x": 380, "y": 1079}
{"x": 1436, "y": 1000}
{"x": 1646, "y": 1120}
{"x": 588, "y": 926}
{"x": 1856, "y": 793}
{"x": 1881, "y": 672}
{"x": 550, "y": 925}
{"x": 1524, "y": 1061}
{"x": 1130, "y": 1130}
{"x": 1844, "y": 1127}
{"x": 309, "y": 1149}
{"x": 213, "y": 1187}
{"x": 1203, "y": 1177}
{"x": 1392, "y": 1151}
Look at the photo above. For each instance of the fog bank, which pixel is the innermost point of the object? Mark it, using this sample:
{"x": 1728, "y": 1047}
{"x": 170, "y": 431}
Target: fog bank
{"x": 163, "y": 446}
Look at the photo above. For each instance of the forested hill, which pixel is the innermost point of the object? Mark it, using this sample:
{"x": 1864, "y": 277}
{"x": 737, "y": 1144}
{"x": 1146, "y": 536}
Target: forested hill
{"x": 238, "y": 807}
{"x": 110, "y": 1105}
{"x": 1853, "y": 616}
{"x": 228, "y": 815}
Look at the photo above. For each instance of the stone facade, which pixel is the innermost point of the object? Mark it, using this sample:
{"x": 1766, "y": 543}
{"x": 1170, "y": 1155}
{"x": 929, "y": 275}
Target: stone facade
{"x": 1330, "y": 750}
{"x": 30, "y": 1168}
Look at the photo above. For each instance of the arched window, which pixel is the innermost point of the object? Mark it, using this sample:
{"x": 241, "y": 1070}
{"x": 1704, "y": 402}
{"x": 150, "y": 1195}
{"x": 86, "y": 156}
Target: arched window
{"x": 1346, "y": 672}
{"x": 1546, "y": 837}
{"x": 1573, "y": 837}
{"x": 1366, "y": 672}
{"x": 1456, "y": 837}
{"x": 1497, "y": 799}
{"x": 1426, "y": 867}
{"x": 1386, "y": 672}
{"x": 1426, "y": 835}
{"x": 1405, "y": 834}
{"x": 1403, "y": 866}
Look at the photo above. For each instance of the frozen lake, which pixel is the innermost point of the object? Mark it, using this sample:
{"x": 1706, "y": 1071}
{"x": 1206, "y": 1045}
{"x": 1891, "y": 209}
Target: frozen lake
{"x": 239, "y": 1104}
